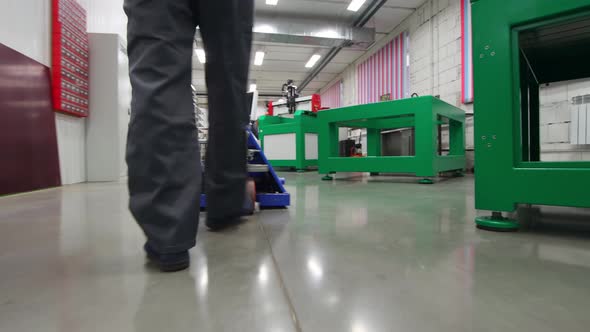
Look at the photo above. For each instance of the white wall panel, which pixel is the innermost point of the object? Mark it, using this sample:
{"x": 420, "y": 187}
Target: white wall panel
{"x": 280, "y": 147}
{"x": 26, "y": 27}
{"x": 311, "y": 146}
{"x": 106, "y": 16}
{"x": 106, "y": 126}
{"x": 71, "y": 136}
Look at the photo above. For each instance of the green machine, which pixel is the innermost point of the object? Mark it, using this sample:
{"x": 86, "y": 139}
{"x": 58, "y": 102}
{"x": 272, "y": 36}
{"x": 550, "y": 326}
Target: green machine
{"x": 290, "y": 141}
{"x": 517, "y": 46}
{"x": 424, "y": 114}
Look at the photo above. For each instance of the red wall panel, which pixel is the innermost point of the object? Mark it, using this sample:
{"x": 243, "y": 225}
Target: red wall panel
{"x": 28, "y": 143}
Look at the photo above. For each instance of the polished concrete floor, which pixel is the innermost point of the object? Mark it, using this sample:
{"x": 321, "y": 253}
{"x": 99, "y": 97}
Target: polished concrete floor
{"x": 354, "y": 255}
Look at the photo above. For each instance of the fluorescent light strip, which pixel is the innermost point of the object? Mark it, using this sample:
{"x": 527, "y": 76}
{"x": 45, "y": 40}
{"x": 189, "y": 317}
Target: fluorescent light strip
{"x": 259, "y": 58}
{"x": 312, "y": 61}
{"x": 201, "y": 55}
{"x": 272, "y": 2}
{"x": 355, "y": 5}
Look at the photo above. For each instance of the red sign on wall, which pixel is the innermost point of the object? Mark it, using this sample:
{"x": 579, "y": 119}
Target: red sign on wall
{"x": 69, "y": 62}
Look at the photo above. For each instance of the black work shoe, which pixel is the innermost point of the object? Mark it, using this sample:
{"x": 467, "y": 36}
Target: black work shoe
{"x": 168, "y": 262}
{"x": 216, "y": 225}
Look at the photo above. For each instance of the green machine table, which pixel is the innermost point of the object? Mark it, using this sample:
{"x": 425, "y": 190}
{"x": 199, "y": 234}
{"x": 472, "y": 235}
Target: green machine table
{"x": 517, "y": 46}
{"x": 290, "y": 142}
{"x": 424, "y": 114}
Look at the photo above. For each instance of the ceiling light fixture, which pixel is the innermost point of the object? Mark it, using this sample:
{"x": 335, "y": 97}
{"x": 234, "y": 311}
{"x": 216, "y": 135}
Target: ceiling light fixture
{"x": 252, "y": 87}
{"x": 272, "y": 2}
{"x": 312, "y": 61}
{"x": 355, "y": 5}
{"x": 259, "y": 58}
{"x": 201, "y": 55}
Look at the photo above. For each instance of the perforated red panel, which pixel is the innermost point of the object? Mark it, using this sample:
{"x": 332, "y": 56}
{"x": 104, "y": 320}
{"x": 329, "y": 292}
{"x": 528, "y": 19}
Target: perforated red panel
{"x": 69, "y": 58}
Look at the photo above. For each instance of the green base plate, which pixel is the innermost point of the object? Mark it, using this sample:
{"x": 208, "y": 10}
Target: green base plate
{"x": 497, "y": 224}
{"x": 426, "y": 181}
{"x": 327, "y": 178}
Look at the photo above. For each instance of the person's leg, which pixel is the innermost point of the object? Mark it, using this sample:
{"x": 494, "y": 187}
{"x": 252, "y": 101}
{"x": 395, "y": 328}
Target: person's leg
{"x": 226, "y": 28}
{"x": 162, "y": 146}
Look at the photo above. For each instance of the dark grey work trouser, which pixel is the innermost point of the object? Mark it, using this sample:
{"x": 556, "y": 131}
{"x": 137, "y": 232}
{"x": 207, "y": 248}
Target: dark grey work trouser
{"x": 162, "y": 147}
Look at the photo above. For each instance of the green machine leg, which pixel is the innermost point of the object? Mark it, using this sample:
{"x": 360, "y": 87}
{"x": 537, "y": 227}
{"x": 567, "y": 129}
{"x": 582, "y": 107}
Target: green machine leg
{"x": 327, "y": 177}
{"x": 426, "y": 181}
{"x": 496, "y": 222}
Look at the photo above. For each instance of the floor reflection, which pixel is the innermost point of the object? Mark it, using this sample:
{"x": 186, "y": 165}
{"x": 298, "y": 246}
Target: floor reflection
{"x": 169, "y": 303}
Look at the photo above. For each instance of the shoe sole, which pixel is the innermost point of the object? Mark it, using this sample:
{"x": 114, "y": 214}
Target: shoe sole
{"x": 168, "y": 267}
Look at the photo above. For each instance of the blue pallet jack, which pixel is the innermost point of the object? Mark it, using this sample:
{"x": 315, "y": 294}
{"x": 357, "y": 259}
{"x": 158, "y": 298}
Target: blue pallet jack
{"x": 270, "y": 192}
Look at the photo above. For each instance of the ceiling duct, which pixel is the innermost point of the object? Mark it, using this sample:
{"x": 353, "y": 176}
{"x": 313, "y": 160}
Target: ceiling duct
{"x": 307, "y": 31}
{"x": 362, "y": 19}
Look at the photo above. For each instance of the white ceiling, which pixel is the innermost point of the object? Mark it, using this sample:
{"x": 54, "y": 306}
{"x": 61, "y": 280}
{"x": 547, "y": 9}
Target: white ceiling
{"x": 287, "y": 61}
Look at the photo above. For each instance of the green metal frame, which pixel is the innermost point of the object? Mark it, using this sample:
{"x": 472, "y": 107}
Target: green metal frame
{"x": 507, "y": 147}
{"x": 422, "y": 113}
{"x": 303, "y": 122}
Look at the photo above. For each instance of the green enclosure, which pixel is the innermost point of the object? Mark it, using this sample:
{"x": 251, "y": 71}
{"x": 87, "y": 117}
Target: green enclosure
{"x": 290, "y": 142}
{"x": 517, "y": 46}
{"x": 424, "y": 114}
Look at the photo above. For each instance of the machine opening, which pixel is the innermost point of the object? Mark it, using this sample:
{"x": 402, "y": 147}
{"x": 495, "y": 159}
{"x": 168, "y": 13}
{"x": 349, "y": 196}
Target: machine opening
{"x": 398, "y": 142}
{"x": 386, "y": 137}
{"x": 555, "y": 90}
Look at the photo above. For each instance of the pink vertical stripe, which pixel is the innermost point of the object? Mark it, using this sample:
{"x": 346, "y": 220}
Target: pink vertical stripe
{"x": 379, "y": 76}
{"x": 362, "y": 101}
{"x": 401, "y": 69}
{"x": 383, "y": 71}
{"x": 397, "y": 82}
{"x": 366, "y": 81}
{"x": 379, "y": 83}
{"x": 397, "y": 68}
{"x": 366, "y": 90}
{"x": 332, "y": 96}
{"x": 399, "y": 63}
{"x": 371, "y": 79}
{"x": 359, "y": 84}
{"x": 362, "y": 79}
{"x": 392, "y": 68}
{"x": 386, "y": 68}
